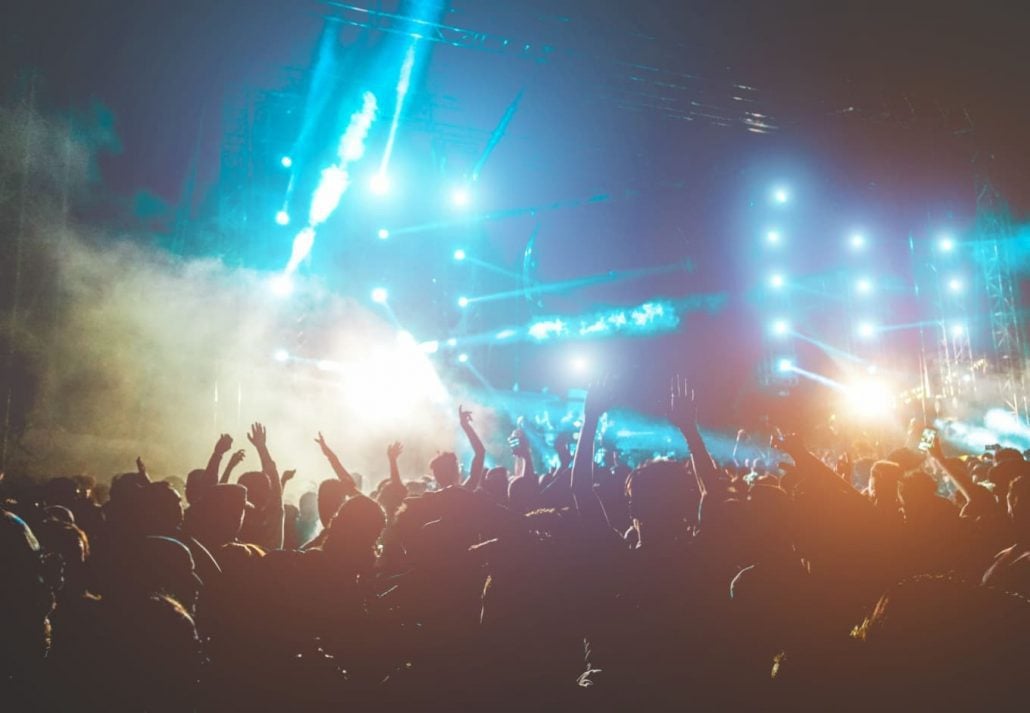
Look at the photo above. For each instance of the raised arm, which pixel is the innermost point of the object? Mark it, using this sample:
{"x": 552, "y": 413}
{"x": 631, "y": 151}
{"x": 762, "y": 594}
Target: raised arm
{"x": 478, "y": 450}
{"x": 234, "y": 460}
{"x": 393, "y": 452}
{"x": 275, "y": 515}
{"x": 683, "y": 414}
{"x": 588, "y": 505}
{"x": 140, "y": 468}
{"x": 337, "y": 466}
{"x": 978, "y": 501}
{"x": 222, "y": 447}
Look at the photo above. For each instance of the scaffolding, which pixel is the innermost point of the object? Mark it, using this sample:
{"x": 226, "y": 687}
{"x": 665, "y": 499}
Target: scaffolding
{"x": 993, "y": 234}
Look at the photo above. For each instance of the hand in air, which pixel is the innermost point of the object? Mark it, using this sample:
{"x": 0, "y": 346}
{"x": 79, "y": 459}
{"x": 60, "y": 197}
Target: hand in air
{"x": 258, "y": 436}
{"x": 682, "y": 405}
{"x": 288, "y": 476}
{"x": 600, "y": 397}
{"x": 464, "y": 417}
{"x": 224, "y": 444}
{"x": 236, "y": 458}
{"x": 394, "y": 450}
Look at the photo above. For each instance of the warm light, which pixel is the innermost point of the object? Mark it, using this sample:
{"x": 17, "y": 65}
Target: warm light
{"x": 869, "y": 399}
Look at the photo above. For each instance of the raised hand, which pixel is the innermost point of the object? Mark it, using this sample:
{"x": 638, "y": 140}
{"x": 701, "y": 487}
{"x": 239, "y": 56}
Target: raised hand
{"x": 236, "y": 458}
{"x": 224, "y": 444}
{"x": 464, "y": 417}
{"x": 140, "y": 467}
{"x": 600, "y": 397}
{"x": 288, "y": 476}
{"x": 394, "y": 450}
{"x": 682, "y": 405}
{"x": 258, "y": 436}
{"x": 322, "y": 444}
{"x": 519, "y": 443}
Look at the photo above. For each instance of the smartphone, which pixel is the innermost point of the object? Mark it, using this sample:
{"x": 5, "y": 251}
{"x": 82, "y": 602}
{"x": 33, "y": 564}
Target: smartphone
{"x": 927, "y": 440}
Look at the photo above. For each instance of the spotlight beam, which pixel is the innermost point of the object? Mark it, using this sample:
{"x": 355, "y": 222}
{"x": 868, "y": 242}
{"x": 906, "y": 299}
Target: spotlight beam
{"x": 492, "y": 268}
{"x": 498, "y": 134}
{"x": 569, "y": 285}
{"x": 829, "y": 349}
{"x": 403, "y": 83}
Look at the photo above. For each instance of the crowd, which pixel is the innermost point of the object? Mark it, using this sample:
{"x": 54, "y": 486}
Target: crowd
{"x": 678, "y": 584}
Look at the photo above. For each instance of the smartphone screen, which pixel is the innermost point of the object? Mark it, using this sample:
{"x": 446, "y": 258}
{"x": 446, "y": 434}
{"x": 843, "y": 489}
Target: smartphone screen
{"x": 928, "y": 438}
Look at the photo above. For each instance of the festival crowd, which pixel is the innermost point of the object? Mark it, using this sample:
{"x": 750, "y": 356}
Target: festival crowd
{"x": 802, "y": 582}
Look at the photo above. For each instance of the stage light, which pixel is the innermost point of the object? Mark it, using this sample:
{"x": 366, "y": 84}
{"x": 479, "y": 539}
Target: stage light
{"x": 946, "y": 243}
{"x": 459, "y": 254}
{"x": 379, "y": 295}
{"x": 286, "y": 162}
{"x": 281, "y": 285}
{"x": 781, "y": 195}
{"x": 506, "y": 334}
{"x": 463, "y": 301}
{"x": 383, "y": 233}
{"x": 869, "y": 399}
{"x": 784, "y": 365}
{"x": 452, "y": 342}
{"x": 863, "y": 286}
{"x": 461, "y": 197}
{"x": 463, "y": 358}
{"x": 380, "y": 184}
{"x": 773, "y": 237}
{"x": 282, "y": 218}
{"x": 406, "y": 338}
{"x": 866, "y": 329}
{"x": 780, "y": 327}
{"x": 776, "y": 281}
{"x": 281, "y": 355}
{"x": 955, "y": 285}
{"x": 857, "y": 241}
{"x": 430, "y": 347}
{"x": 327, "y": 365}
{"x": 579, "y": 364}
{"x": 957, "y": 330}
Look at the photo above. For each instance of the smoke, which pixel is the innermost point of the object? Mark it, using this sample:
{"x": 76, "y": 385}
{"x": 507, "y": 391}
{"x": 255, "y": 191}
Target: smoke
{"x": 118, "y": 348}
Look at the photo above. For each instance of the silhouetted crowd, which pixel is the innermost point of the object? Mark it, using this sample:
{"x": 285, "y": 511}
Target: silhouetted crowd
{"x": 801, "y": 581}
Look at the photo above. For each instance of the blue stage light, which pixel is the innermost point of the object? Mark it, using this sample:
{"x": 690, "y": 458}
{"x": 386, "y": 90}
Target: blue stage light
{"x": 863, "y": 286}
{"x": 773, "y": 237}
{"x": 286, "y": 162}
{"x": 776, "y": 280}
{"x": 430, "y": 347}
{"x": 463, "y": 301}
{"x": 459, "y": 254}
{"x": 866, "y": 329}
{"x": 282, "y": 218}
{"x": 463, "y": 357}
{"x": 383, "y": 233}
{"x": 955, "y": 285}
{"x": 380, "y": 184}
{"x": 579, "y": 364}
{"x": 781, "y": 195}
{"x": 461, "y": 197}
{"x": 957, "y": 330}
{"x": 946, "y": 243}
{"x": 784, "y": 365}
{"x": 379, "y": 295}
{"x": 780, "y": 327}
{"x": 857, "y": 241}
{"x": 452, "y": 342}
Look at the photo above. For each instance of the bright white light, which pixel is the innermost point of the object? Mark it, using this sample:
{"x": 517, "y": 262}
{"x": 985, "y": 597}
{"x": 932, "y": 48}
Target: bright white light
{"x": 302, "y": 244}
{"x": 430, "y": 347}
{"x": 281, "y": 285}
{"x": 327, "y": 365}
{"x": 463, "y": 357}
{"x": 781, "y": 195}
{"x": 957, "y": 330}
{"x": 379, "y": 295}
{"x": 461, "y": 197}
{"x": 380, "y": 184}
{"x": 866, "y": 329}
{"x": 863, "y": 286}
{"x": 579, "y": 364}
{"x": 282, "y": 218}
{"x": 857, "y": 241}
{"x": 776, "y": 280}
{"x": 955, "y": 284}
{"x": 459, "y": 254}
{"x": 946, "y": 243}
{"x": 780, "y": 327}
{"x": 869, "y": 399}
{"x": 784, "y": 365}
{"x": 773, "y": 237}
{"x": 281, "y": 355}
{"x": 452, "y": 342}
{"x": 286, "y": 162}
{"x": 406, "y": 339}
{"x": 506, "y": 334}
{"x": 383, "y": 234}
{"x": 463, "y": 301}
